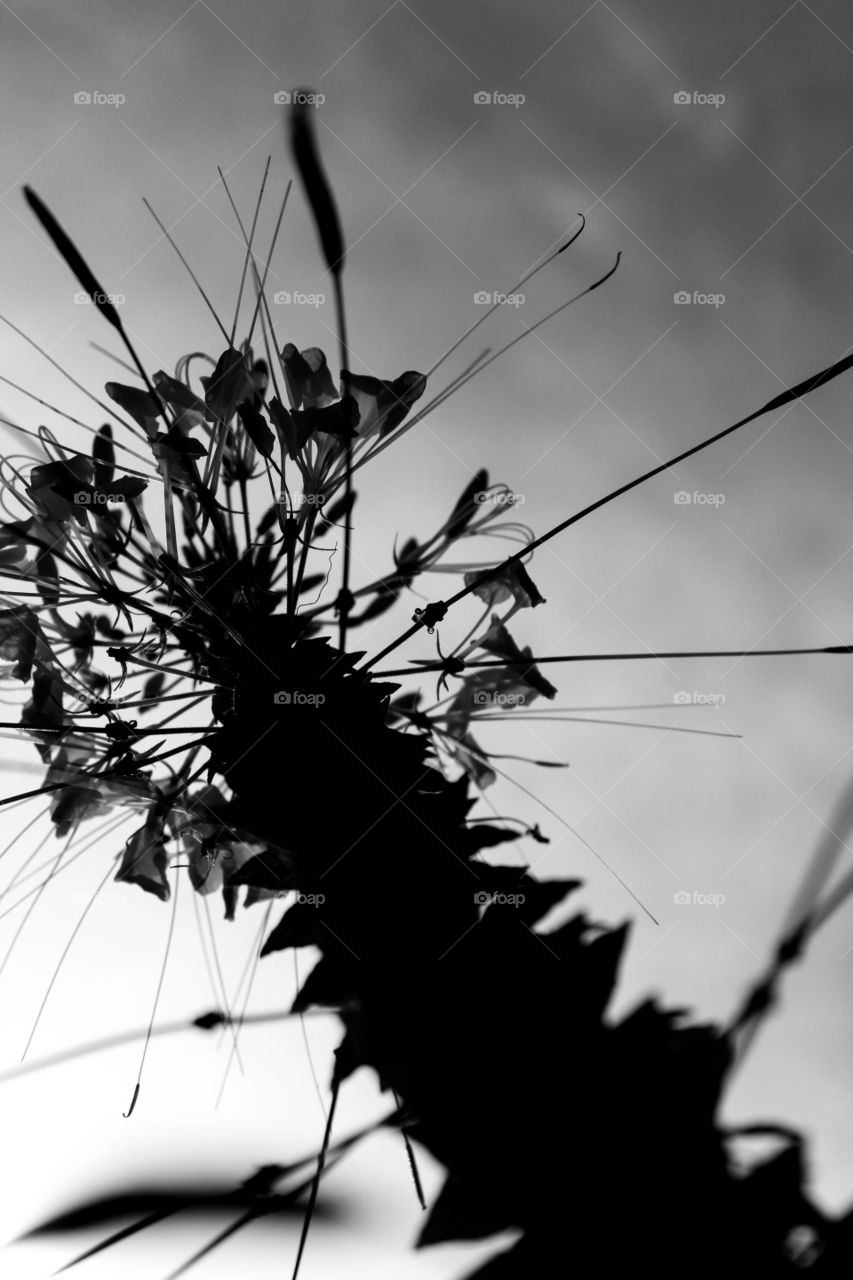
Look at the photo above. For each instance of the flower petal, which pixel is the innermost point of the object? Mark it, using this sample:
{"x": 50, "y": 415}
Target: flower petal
{"x": 506, "y": 582}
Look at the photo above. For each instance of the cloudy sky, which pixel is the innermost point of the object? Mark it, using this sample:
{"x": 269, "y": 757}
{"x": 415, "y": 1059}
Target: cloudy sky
{"x": 712, "y": 147}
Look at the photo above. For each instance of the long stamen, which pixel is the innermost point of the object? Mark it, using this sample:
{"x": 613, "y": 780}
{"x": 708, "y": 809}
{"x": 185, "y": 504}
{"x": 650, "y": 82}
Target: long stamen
{"x": 188, "y": 269}
{"x": 157, "y": 993}
{"x": 497, "y": 305}
{"x": 786, "y": 397}
{"x": 458, "y": 383}
{"x": 249, "y": 241}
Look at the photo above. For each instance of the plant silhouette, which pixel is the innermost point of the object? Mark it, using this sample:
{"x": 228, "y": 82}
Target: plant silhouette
{"x": 310, "y": 769}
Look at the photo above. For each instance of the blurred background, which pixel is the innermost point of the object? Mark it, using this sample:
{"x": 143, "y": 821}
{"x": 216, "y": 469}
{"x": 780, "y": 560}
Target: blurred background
{"x": 712, "y": 146}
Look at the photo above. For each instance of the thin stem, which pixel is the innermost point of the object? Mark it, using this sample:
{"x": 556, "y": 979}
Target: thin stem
{"x": 419, "y": 667}
{"x": 344, "y": 600}
{"x": 315, "y": 1185}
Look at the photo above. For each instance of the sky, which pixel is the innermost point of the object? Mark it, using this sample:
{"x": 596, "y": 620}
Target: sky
{"x": 709, "y": 145}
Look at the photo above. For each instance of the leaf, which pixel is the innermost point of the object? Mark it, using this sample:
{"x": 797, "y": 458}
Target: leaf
{"x": 311, "y": 581}
{"x": 178, "y": 395}
{"x": 339, "y": 419}
{"x": 540, "y": 896}
{"x": 267, "y": 521}
{"x": 407, "y": 559}
{"x": 20, "y": 632}
{"x": 329, "y": 984}
{"x": 229, "y": 897}
{"x": 298, "y": 927}
{"x": 228, "y": 385}
{"x": 180, "y": 445}
{"x": 207, "y": 1021}
{"x": 499, "y": 879}
{"x": 484, "y": 836}
{"x": 267, "y": 870}
{"x": 405, "y": 708}
{"x": 126, "y": 488}
{"x": 604, "y": 955}
{"x": 141, "y": 405}
{"x": 293, "y": 430}
{"x": 103, "y": 456}
{"x": 511, "y": 1264}
{"x": 16, "y": 537}
{"x": 353, "y": 1051}
{"x": 73, "y": 258}
{"x": 316, "y": 187}
{"x": 256, "y": 428}
{"x": 260, "y": 378}
{"x": 253, "y": 895}
{"x": 145, "y": 859}
{"x": 381, "y": 603}
{"x": 296, "y": 428}
{"x": 466, "y": 1210}
{"x": 44, "y": 709}
{"x": 104, "y": 627}
{"x": 467, "y": 506}
{"x": 72, "y": 805}
{"x": 52, "y": 485}
{"x": 153, "y": 685}
{"x": 297, "y": 373}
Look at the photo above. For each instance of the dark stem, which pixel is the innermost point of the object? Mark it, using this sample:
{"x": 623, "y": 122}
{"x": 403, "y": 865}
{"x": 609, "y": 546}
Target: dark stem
{"x": 315, "y": 1185}
{"x": 613, "y": 657}
{"x": 344, "y": 599}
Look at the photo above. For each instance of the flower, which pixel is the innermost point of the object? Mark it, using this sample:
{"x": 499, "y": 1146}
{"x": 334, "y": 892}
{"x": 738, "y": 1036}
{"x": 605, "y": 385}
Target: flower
{"x": 507, "y": 582}
{"x": 519, "y": 668}
{"x": 307, "y": 378}
{"x": 382, "y": 405}
{"x": 213, "y": 851}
